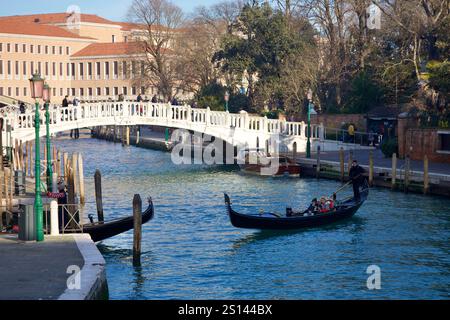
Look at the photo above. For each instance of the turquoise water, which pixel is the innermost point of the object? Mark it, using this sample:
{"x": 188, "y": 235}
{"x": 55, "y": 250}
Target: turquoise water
{"x": 191, "y": 251}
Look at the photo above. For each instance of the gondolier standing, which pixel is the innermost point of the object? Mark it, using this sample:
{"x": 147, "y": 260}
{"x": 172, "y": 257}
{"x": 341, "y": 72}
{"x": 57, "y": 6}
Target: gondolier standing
{"x": 356, "y": 176}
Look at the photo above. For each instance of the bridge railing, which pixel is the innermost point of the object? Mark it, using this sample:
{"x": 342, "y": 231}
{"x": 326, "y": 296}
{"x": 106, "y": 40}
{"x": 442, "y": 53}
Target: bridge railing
{"x": 117, "y": 111}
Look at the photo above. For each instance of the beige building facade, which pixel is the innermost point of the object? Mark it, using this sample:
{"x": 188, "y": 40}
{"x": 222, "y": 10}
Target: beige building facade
{"x": 87, "y": 57}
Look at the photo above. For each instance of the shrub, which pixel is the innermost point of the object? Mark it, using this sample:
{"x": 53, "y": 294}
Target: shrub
{"x": 389, "y": 147}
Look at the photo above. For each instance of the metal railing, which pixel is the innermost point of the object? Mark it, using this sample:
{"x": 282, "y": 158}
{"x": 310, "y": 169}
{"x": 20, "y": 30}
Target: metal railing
{"x": 69, "y": 218}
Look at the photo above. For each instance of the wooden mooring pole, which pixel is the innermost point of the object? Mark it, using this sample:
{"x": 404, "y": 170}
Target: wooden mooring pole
{"x": 137, "y": 223}
{"x": 81, "y": 179}
{"x": 318, "y": 163}
{"x": 350, "y": 160}
{"x": 98, "y": 195}
{"x": 407, "y": 173}
{"x": 341, "y": 159}
{"x": 371, "y": 168}
{"x": 426, "y": 182}
{"x": 394, "y": 171}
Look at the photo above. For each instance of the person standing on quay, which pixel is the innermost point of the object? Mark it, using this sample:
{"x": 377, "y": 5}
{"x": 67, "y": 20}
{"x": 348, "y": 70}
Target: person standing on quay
{"x": 356, "y": 175}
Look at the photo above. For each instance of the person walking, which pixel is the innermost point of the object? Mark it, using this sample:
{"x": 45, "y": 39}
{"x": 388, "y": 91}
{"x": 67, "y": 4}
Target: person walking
{"x": 356, "y": 176}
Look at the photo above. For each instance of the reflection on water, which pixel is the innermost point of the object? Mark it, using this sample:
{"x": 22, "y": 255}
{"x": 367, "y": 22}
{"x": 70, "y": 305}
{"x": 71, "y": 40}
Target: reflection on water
{"x": 191, "y": 251}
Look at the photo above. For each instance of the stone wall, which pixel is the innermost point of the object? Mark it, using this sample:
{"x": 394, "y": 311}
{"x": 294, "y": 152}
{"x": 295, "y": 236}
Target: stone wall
{"x": 336, "y": 120}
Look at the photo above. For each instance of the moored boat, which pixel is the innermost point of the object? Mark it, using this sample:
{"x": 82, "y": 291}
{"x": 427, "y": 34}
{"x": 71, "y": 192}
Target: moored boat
{"x": 260, "y": 163}
{"x": 103, "y": 230}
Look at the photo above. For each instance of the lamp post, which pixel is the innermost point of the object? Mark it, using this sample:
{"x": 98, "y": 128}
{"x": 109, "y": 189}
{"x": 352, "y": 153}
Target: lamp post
{"x": 46, "y": 94}
{"x": 227, "y": 98}
{"x": 308, "y": 143}
{"x": 37, "y": 88}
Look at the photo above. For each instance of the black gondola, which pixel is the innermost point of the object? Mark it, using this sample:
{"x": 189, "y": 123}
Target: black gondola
{"x": 272, "y": 221}
{"x": 103, "y": 230}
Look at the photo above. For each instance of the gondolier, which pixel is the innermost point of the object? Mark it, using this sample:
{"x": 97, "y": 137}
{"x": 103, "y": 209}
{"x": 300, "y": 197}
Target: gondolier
{"x": 357, "y": 178}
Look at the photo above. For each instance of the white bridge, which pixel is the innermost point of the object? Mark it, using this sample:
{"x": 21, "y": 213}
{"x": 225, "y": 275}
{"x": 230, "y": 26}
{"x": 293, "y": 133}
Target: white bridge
{"x": 236, "y": 129}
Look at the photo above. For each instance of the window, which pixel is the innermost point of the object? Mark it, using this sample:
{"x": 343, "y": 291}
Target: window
{"x": 53, "y": 50}
{"x": 9, "y": 91}
{"x": 54, "y": 92}
{"x": 116, "y": 91}
{"x": 17, "y": 91}
{"x": 39, "y": 68}
{"x": 17, "y": 68}
{"x": 61, "y": 50}
{"x": 125, "y": 39}
{"x": 89, "y": 69}
{"x": 133, "y": 91}
{"x": 24, "y": 67}
{"x": 125, "y": 91}
{"x": 61, "y": 92}
{"x": 72, "y": 71}
{"x": 107, "y": 91}
{"x": 99, "y": 91}
{"x": 81, "y": 70}
{"x": 1, "y": 66}
{"x": 142, "y": 90}
{"x": 68, "y": 51}
{"x": 8, "y": 47}
{"x": 116, "y": 69}
{"x": 133, "y": 68}
{"x": 107, "y": 69}
{"x": 113, "y": 39}
{"x": 16, "y": 48}
{"x": 54, "y": 69}
{"x": 1, "y": 50}
{"x": 1, "y": 91}
{"x": 90, "y": 92}
{"x": 9, "y": 68}
{"x": 31, "y": 67}
{"x": 24, "y": 91}
{"x": 142, "y": 68}
{"x": 73, "y": 92}
{"x": 98, "y": 69}
{"x": 46, "y": 69}
{"x": 31, "y": 48}
{"x": 444, "y": 142}
{"x": 61, "y": 67}
{"x": 24, "y": 48}
{"x": 124, "y": 69}
{"x": 68, "y": 91}
{"x": 68, "y": 70}
{"x": 39, "y": 49}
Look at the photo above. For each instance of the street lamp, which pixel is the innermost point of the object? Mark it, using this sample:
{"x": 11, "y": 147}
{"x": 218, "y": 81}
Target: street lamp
{"x": 227, "y": 98}
{"x": 308, "y": 143}
{"x": 37, "y": 88}
{"x": 46, "y": 95}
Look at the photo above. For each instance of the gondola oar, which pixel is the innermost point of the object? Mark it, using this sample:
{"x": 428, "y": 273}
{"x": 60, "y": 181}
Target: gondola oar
{"x": 351, "y": 181}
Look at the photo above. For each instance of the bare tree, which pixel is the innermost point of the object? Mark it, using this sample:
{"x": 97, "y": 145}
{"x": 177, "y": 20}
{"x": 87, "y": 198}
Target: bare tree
{"x": 158, "y": 35}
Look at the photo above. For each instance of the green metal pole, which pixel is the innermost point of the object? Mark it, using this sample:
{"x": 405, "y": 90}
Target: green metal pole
{"x": 167, "y": 134}
{"x": 226, "y": 106}
{"x": 49, "y": 150}
{"x": 37, "y": 176}
{"x": 308, "y": 143}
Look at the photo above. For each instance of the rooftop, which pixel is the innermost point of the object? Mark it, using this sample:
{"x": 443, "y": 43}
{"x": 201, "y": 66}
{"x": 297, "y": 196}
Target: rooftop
{"x": 35, "y": 29}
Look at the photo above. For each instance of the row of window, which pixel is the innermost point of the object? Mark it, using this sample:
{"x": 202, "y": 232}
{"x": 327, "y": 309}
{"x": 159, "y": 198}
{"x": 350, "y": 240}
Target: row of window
{"x": 100, "y": 69}
{"x": 36, "y": 49}
{"x": 81, "y": 92}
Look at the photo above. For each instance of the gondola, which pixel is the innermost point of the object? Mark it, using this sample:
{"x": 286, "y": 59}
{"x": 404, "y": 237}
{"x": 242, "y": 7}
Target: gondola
{"x": 103, "y": 230}
{"x": 273, "y": 221}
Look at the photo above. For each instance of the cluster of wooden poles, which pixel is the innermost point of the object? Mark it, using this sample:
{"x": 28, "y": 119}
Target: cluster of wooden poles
{"x": 394, "y": 173}
{"x": 115, "y": 134}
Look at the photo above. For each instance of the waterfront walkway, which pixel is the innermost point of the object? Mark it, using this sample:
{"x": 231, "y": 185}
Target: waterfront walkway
{"x": 36, "y": 271}
{"x": 379, "y": 160}
{"x": 39, "y": 271}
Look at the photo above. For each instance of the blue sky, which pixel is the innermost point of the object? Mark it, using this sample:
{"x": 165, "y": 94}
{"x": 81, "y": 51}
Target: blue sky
{"x": 110, "y": 9}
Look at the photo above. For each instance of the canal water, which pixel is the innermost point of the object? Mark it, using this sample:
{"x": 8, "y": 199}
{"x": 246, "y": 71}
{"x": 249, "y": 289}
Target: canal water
{"x": 191, "y": 251}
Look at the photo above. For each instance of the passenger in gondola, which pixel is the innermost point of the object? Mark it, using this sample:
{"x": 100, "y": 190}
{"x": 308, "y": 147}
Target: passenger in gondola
{"x": 313, "y": 207}
{"x": 356, "y": 175}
